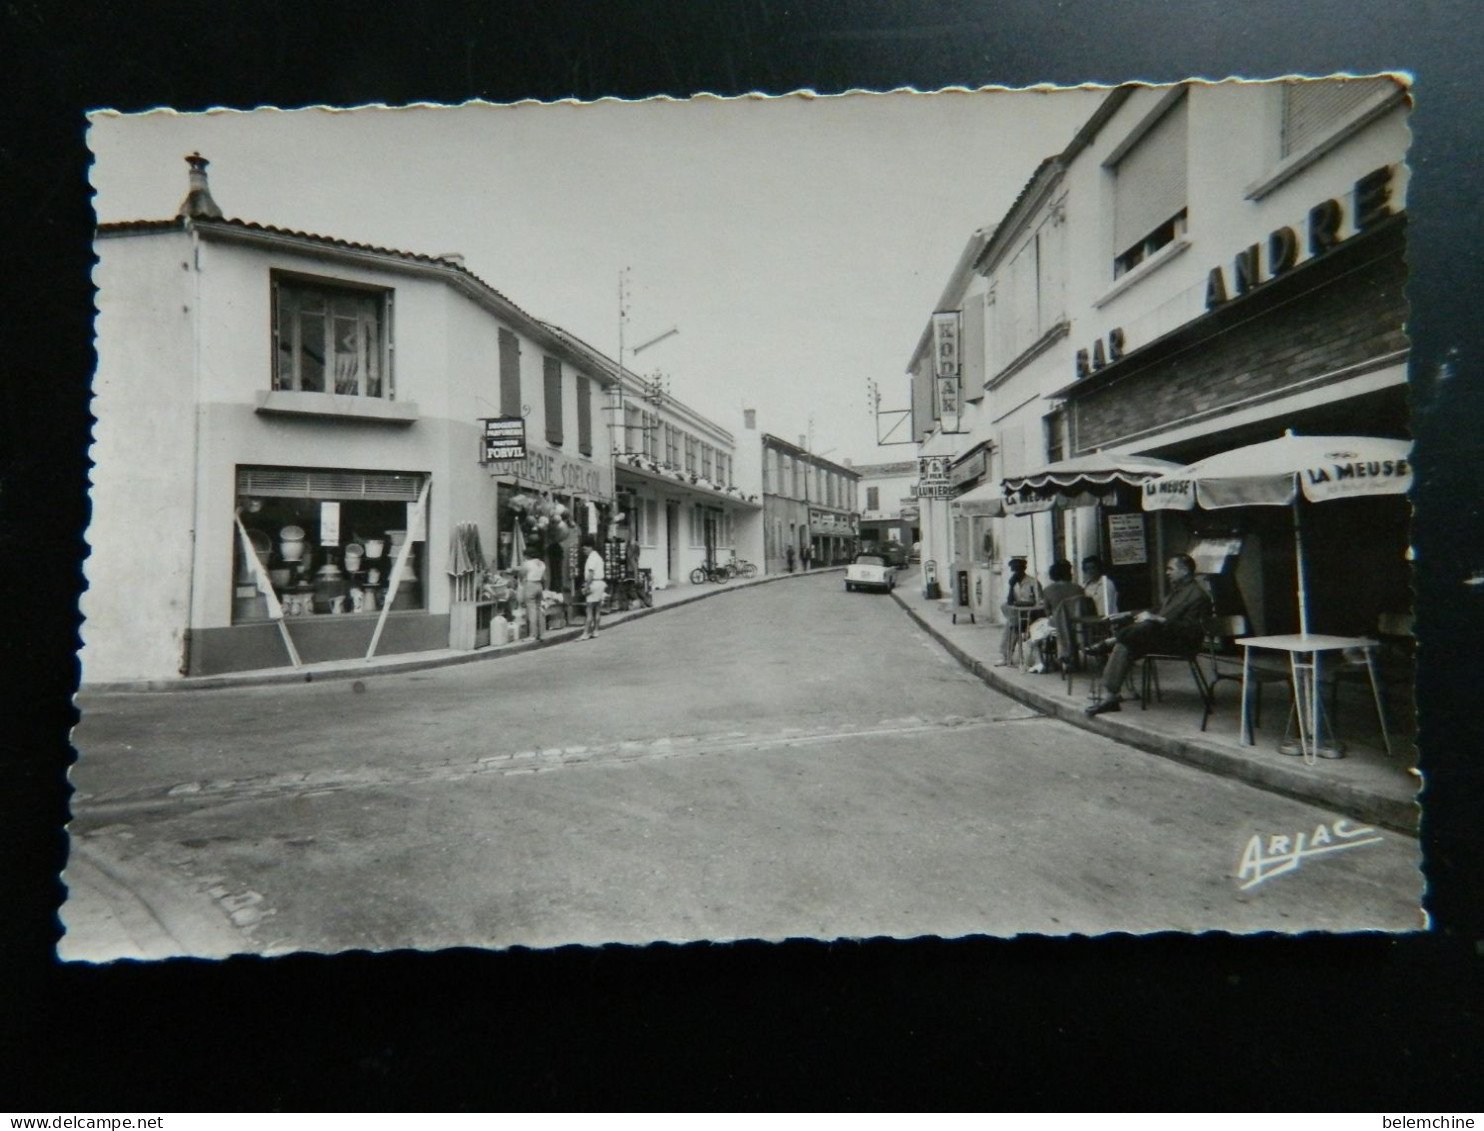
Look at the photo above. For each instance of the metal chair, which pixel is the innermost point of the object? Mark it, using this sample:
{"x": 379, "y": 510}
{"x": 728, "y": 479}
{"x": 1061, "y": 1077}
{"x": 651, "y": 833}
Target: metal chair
{"x": 1395, "y": 663}
{"x": 1222, "y": 654}
{"x": 1149, "y": 678}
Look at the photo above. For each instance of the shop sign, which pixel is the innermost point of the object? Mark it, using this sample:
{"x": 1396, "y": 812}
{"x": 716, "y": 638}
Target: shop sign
{"x": 1283, "y": 247}
{"x": 329, "y": 523}
{"x": 1088, "y": 363}
{"x": 551, "y": 471}
{"x": 938, "y": 490}
{"x": 945, "y": 343}
{"x": 933, "y": 467}
{"x": 971, "y": 468}
{"x": 1126, "y": 539}
{"x": 504, "y": 438}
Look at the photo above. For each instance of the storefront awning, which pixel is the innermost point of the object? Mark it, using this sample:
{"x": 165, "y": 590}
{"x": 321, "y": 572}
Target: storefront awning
{"x": 984, "y": 499}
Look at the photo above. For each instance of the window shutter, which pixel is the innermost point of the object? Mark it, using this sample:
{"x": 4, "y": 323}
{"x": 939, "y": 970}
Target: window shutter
{"x": 585, "y": 416}
{"x": 973, "y": 348}
{"x": 1151, "y": 180}
{"x": 551, "y": 374}
{"x": 509, "y": 374}
{"x": 1312, "y": 109}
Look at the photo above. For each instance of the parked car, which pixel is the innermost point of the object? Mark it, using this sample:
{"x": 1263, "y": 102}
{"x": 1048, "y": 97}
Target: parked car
{"x": 895, "y": 554}
{"x": 870, "y": 571}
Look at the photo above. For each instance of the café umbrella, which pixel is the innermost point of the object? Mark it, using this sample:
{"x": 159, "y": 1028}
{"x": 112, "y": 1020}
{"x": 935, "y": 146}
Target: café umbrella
{"x": 1084, "y": 480}
{"x": 1280, "y": 472}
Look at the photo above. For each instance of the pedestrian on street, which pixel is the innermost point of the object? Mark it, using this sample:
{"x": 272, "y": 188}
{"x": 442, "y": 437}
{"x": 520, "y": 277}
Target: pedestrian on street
{"x": 1177, "y": 627}
{"x": 789, "y": 554}
{"x": 593, "y": 586}
{"x": 532, "y": 586}
{"x": 805, "y": 553}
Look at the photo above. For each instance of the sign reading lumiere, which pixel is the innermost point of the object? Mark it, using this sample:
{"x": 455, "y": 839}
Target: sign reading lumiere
{"x": 947, "y": 394}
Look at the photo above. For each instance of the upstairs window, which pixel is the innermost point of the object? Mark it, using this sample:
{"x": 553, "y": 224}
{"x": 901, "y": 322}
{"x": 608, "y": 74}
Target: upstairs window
{"x": 509, "y": 375}
{"x": 584, "y": 415}
{"x": 330, "y": 339}
{"x": 1314, "y": 110}
{"x": 551, "y": 374}
{"x": 1149, "y": 195}
{"x": 873, "y": 498}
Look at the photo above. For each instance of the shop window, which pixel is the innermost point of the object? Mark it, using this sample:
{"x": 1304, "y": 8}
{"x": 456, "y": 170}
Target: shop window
{"x": 328, "y": 540}
{"x": 1149, "y": 209}
{"x": 584, "y": 415}
{"x": 510, "y": 404}
{"x": 330, "y": 339}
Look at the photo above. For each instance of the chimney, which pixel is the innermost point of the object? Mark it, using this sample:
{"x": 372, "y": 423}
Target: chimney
{"x": 749, "y": 419}
{"x": 454, "y": 257}
{"x": 198, "y": 204}
{"x": 804, "y": 442}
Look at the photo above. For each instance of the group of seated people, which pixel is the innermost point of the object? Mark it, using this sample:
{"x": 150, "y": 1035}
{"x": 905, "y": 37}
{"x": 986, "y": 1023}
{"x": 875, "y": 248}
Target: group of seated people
{"x": 1176, "y": 626}
{"x": 1052, "y": 633}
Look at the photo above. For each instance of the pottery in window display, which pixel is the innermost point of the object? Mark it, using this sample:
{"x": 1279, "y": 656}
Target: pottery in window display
{"x": 291, "y": 543}
{"x": 353, "y": 553}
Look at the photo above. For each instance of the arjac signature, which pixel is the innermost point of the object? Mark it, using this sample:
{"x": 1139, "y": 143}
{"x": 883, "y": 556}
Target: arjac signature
{"x": 1262, "y": 861}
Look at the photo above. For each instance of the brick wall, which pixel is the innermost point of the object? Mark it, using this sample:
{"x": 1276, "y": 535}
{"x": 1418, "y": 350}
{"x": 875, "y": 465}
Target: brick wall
{"x": 1338, "y": 313}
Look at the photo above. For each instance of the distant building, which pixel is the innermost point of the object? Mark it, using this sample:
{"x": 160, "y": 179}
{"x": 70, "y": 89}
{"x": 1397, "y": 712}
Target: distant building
{"x": 808, "y": 501}
{"x": 888, "y": 500}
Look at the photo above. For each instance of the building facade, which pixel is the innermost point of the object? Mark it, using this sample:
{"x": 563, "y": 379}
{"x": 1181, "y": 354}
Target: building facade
{"x": 808, "y": 503}
{"x": 1203, "y": 267}
{"x": 887, "y": 493}
{"x": 292, "y": 454}
{"x": 676, "y": 477}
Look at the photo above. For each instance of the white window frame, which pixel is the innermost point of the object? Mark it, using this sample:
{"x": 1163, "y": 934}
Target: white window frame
{"x": 339, "y": 367}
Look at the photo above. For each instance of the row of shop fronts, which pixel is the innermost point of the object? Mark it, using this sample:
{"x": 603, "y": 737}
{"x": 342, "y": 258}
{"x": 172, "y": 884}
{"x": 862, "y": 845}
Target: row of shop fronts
{"x": 1204, "y": 267}
{"x": 811, "y": 508}
{"x": 293, "y": 458}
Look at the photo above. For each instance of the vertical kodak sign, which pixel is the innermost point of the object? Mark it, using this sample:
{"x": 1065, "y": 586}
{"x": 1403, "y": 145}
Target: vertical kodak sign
{"x": 946, "y": 367}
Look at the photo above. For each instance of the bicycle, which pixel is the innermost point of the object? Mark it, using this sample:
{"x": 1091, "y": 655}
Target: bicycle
{"x": 741, "y": 567}
{"x": 632, "y": 590}
{"x": 709, "y": 571}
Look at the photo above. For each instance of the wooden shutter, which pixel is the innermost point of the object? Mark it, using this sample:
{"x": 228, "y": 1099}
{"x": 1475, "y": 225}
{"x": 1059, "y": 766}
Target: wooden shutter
{"x": 973, "y": 349}
{"x": 551, "y": 375}
{"x": 509, "y": 374}
{"x": 585, "y": 416}
{"x": 1313, "y": 109}
{"x": 1150, "y": 187}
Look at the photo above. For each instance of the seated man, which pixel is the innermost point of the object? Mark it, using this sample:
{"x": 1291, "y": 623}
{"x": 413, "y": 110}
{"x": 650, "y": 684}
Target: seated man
{"x": 1177, "y": 627}
{"x": 1024, "y": 592}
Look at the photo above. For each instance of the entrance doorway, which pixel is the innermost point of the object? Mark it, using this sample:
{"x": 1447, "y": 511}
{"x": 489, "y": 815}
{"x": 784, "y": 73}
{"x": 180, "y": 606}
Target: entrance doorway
{"x": 672, "y": 540}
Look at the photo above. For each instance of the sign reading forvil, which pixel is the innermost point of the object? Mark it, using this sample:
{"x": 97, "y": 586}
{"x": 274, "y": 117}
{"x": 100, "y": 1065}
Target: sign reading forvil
{"x": 504, "y": 438}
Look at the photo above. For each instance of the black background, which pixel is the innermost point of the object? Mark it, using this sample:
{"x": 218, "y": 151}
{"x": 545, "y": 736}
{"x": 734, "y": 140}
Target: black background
{"x": 1210, "y": 1022}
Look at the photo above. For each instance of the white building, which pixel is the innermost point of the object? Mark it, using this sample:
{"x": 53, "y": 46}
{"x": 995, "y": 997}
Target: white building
{"x": 1203, "y": 266}
{"x": 888, "y": 499}
{"x": 317, "y": 405}
{"x": 676, "y": 473}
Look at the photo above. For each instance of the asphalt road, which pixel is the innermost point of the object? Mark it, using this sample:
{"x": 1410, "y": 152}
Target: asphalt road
{"x": 780, "y": 761}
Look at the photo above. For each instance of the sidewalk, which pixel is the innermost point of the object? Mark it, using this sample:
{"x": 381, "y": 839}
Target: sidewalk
{"x": 672, "y": 597}
{"x": 1366, "y": 784}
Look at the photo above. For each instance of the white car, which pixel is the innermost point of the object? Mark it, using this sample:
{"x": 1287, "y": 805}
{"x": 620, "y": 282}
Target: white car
{"x": 870, "y": 571}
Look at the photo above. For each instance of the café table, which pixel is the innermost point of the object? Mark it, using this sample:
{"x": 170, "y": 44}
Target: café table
{"x": 1305, "y": 658}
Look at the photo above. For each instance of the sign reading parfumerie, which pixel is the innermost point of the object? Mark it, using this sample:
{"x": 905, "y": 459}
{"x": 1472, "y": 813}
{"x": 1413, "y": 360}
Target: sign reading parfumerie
{"x": 504, "y": 438}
